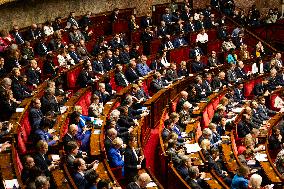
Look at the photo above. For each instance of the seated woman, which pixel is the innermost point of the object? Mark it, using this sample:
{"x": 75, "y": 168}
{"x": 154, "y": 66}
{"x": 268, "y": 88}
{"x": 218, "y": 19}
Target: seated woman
{"x": 114, "y": 155}
{"x": 96, "y": 108}
{"x": 45, "y": 133}
{"x": 64, "y": 59}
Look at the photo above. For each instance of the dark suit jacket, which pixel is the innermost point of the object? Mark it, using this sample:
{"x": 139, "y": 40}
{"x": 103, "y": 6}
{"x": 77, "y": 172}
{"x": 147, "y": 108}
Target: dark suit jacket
{"x": 41, "y": 49}
{"x": 33, "y": 76}
{"x": 20, "y": 92}
{"x": 238, "y": 95}
{"x": 104, "y": 98}
{"x": 67, "y": 138}
{"x": 194, "y": 52}
{"x": 241, "y": 73}
{"x": 33, "y": 34}
{"x": 156, "y": 65}
{"x": 124, "y": 57}
{"x": 75, "y": 56}
{"x": 192, "y": 183}
{"x": 130, "y": 163}
{"x": 49, "y": 105}
{"x": 156, "y": 85}
{"x": 272, "y": 83}
{"x": 49, "y": 68}
{"x": 183, "y": 171}
{"x": 108, "y": 63}
{"x": 213, "y": 62}
{"x": 35, "y": 117}
{"x": 146, "y": 22}
{"x": 98, "y": 67}
{"x": 259, "y": 89}
{"x": 280, "y": 80}
{"x": 244, "y": 128}
{"x": 84, "y": 79}
{"x": 42, "y": 162}
{"x": 132, "y": 185}
{"x": 197, "y": 67}
{"x": 120, "y": 79}
{"x": 131, "y": 75}
{"x": 18, "y": 38}
{"x": 171, "y": 75}
{"x": 217, "y": 83}
{"x": 162, "y": 31}
{"x": 80, "y": 181}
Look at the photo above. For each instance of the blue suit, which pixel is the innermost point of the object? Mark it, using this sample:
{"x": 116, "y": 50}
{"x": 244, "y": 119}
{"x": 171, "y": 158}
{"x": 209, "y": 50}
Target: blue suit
{"x": 80, "y": 181}
{"x": 239, "y": 183}
{"x": 85, "y": 138}
{"x": 178, "y": 42}
{"x": 142, "y": 69}
{"x": 74, "y": 56}
{"x": 45, "y": 136}
{"x": 115, "y": 158}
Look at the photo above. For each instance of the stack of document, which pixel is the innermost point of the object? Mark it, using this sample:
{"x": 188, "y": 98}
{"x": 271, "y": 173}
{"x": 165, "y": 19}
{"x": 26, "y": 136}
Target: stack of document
{"x": 11, "y": 184}
{"x": 192, "y": 148}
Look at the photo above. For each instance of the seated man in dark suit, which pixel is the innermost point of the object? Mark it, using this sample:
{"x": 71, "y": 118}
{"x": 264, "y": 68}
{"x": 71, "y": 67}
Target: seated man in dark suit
{"x": 156, "y": 84}
{"x": 41, "y": 158}
{"x": 180, "y": 41}
{"x": 35, "y": 114}
{"x": 183, "y": 167}
{"x": 245, "y": 126}
{"x": 219, "y": 82}
{"x": 33, "y": 74}
{"x": 73, "y": 54}
{"x": 111, "y": 135}
{"x": 199, "y": 87}
{"x": 33, "y": 33}
{"x": 197, "y": 65}
{"x": 85, "y": 78}
{"x": 193, "y": 179}
{"x": 102, "y": 93}
{"x": 80, "y": 172}
{"x": 196, "y": 51}
{"x": 17, "y": 36}
{"x": 98, "y": 66}
{"x": 71, "y": 135}
{"x": 146, "y": 21}
{"x": 239, "y": 93}
{"x": 108, "y": 61}
{"x": 172, "y": 73}
{"x": 131, "y": 74}
{"x": 120, "y": 79}
{"x": 264, "y": 112}
{"x": 181, "y": 101}
{"x": 261, "y": 88}
{"x": 272, "y": 80}
{"x": 141, "y": 182}
{"x": 41, "y": 47}
{"x": 19, "y": 89}
{"x": 213, "y": 60}
{"x": 241, "y": 73}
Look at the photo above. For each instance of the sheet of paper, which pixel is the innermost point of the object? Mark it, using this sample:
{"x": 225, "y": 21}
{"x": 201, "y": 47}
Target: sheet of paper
{"x": 261, "y": 157}
{"x": 151, "y": 184}
{"x": 55, "y": 157}
{"x": 97, "y": 131}
{"x": 98, "y": 122}
{"x": 109, "y": 102}
{"x": 237, "y": 110}
{"x": 20, "y": 109}
{"x": 192, "y": 148}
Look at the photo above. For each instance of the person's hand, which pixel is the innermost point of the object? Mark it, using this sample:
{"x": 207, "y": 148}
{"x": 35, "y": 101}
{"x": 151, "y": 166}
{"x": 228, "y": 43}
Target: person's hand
{"x": 56, "y": 138}
{"x": 130, "y": 130}
{"x": 138, "y": 166}
{"x": 96, "y": 164}
{"x": 50, "y": 131}
{"x": 5, "y": 146}
{"x": 51, "y": 167}
{"x": 202, "y": 175}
